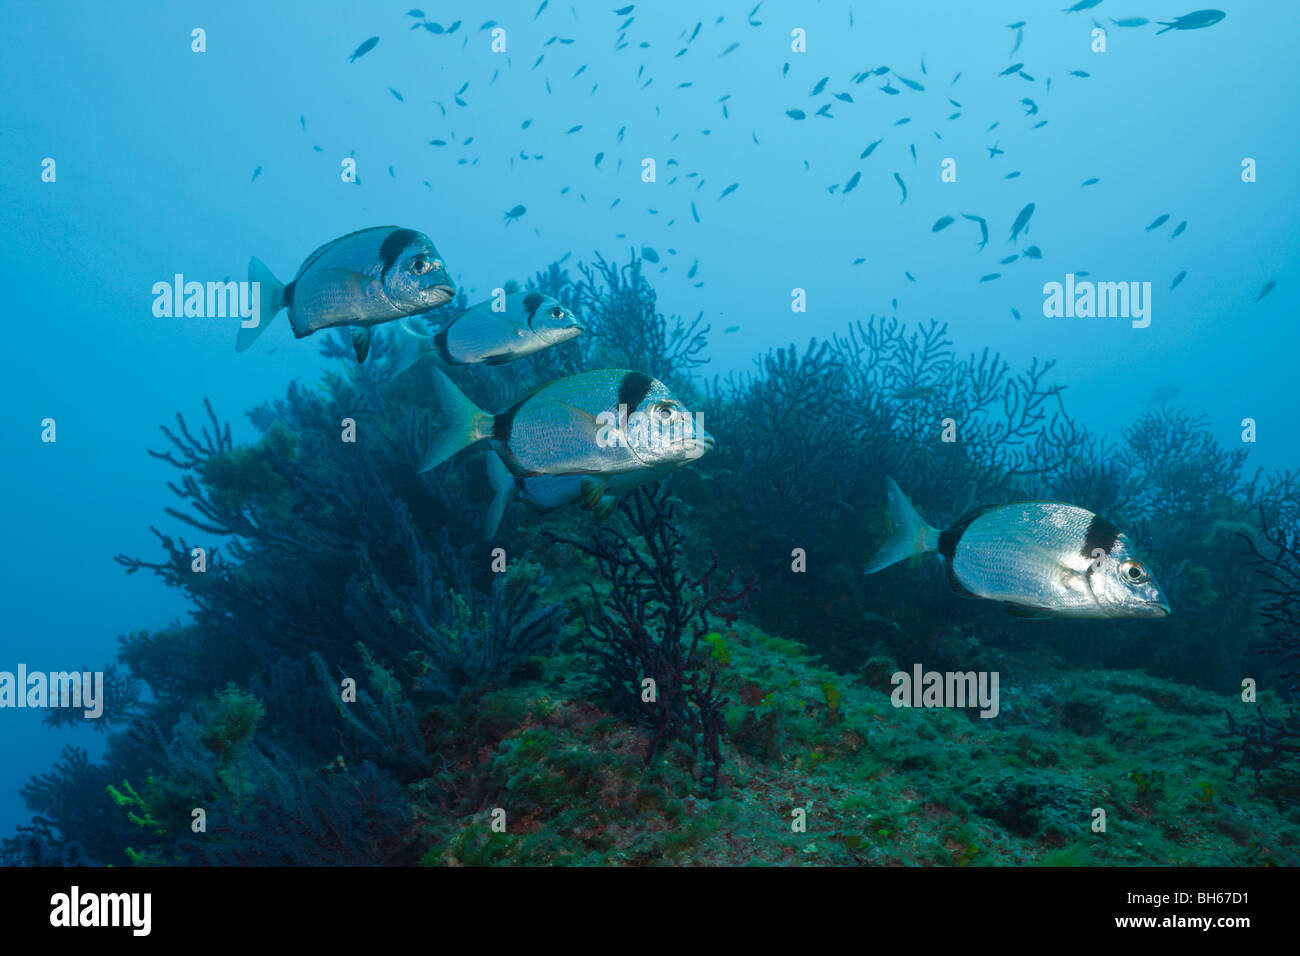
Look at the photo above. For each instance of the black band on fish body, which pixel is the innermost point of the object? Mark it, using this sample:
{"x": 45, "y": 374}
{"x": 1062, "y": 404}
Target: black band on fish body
{"x": 532, "y": 301}
{"x": 504, "y": 423}
{"x": 397, "y": 240}
{"x": 287, "y": 293}
{"x": 1101, "y": 534}
{"x": 633, "y": 390}
{"x": 948, "y": 539}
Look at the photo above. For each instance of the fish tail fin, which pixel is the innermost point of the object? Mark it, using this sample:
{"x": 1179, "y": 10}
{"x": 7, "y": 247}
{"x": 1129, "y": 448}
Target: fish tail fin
{"x": 1167, "y": 27}
{"x": 463, "y": 422}
{"x": 270, "y": 300}
{"x": 503, "y": 485}
{"x": 409, "y": 347}
{"x": 912, "y": 536}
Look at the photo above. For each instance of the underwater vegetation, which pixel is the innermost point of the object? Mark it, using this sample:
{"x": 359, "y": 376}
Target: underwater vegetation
{"x": 364, "y": 681}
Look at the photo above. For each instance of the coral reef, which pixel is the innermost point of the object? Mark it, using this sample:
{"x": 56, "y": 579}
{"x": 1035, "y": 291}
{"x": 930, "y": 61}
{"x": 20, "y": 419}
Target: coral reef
{"x": 362, "y": 681}
{"x": 647, "y": 625}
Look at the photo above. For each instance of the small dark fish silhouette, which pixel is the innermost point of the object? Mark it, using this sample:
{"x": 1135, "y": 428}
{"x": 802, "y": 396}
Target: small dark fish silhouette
{"x": 1033, "y": 252}
{"x": 995, "y": 151}
{"x": 1268, "y": 287}
{"x": 729, "y": 190}
{"x": 1012, "y": 175}
{"x": 889, "y": 89}
{"x": 729, "y": 49}
{"x": 395, "y": 93}
{"x": 364, "y": 48}
{"x": 1163, "y": 393}
{"x": 901, "y": 185}
{"x": 870, "y": 149}
{"x": 942, "y": 224}
{"x": 649, "y": 254}
{"x": 1031, "y": 108}
{"x": 1013, "y": 68}
{"x": 1016, "y": 313}
{"x": 1009, "y": 259}
{"x": 1159, "y": 221}
{"x": 1178, "y": 230}
{"x": 1130, "y": 22}
{"x": 1082, "y": 5}
{"x": 853, "y": 181}
{"x": 1192, "y": 21}
{"x": 731, "y": 328}
{"x": 514, "y": 214}
{"x": 984, "y": 228}
{"x": 910, "y": 84}
{"x": 796, "y": 114}
{"x": 1081, "y": 73}
{"x": 1022, "y": 222}
{"x": 991, "y": 276}
{"x": 1090, "y": 182}
{"x": 1178, "y": 279}
{"x": 257, "y": 172}
{"x": 821, "y": 85}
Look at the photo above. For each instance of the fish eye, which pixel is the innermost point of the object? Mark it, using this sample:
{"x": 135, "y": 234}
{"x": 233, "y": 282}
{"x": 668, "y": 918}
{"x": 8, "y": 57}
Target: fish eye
{"x": 420, "y": 265}
{"x": 663, "y": 411}
{"x": 557, "y": 313}
{"x": 1133, "y": 572}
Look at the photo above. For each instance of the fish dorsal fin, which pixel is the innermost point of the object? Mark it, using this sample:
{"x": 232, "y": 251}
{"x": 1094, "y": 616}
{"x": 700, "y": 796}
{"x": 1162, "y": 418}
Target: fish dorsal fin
{"x": 334, "y": 242}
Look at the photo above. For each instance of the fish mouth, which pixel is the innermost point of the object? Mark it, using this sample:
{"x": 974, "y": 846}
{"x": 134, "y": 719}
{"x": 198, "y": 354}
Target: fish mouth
{"x": 446, "y": 291}
{"x": 1157, "y": 608}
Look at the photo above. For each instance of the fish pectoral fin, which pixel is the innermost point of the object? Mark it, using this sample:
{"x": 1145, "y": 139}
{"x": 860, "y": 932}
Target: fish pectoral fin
{"x": 361, "y": 342}
{"x": 606, "y": 506}
{"x": 592, "y": 490}
{"x": 586, "y": 418}
{"x": 1026, "y": 613}
{"x": 359, "y": 284}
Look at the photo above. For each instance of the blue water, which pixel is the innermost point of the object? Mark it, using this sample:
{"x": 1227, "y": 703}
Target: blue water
{"x": 155, "y": 147}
